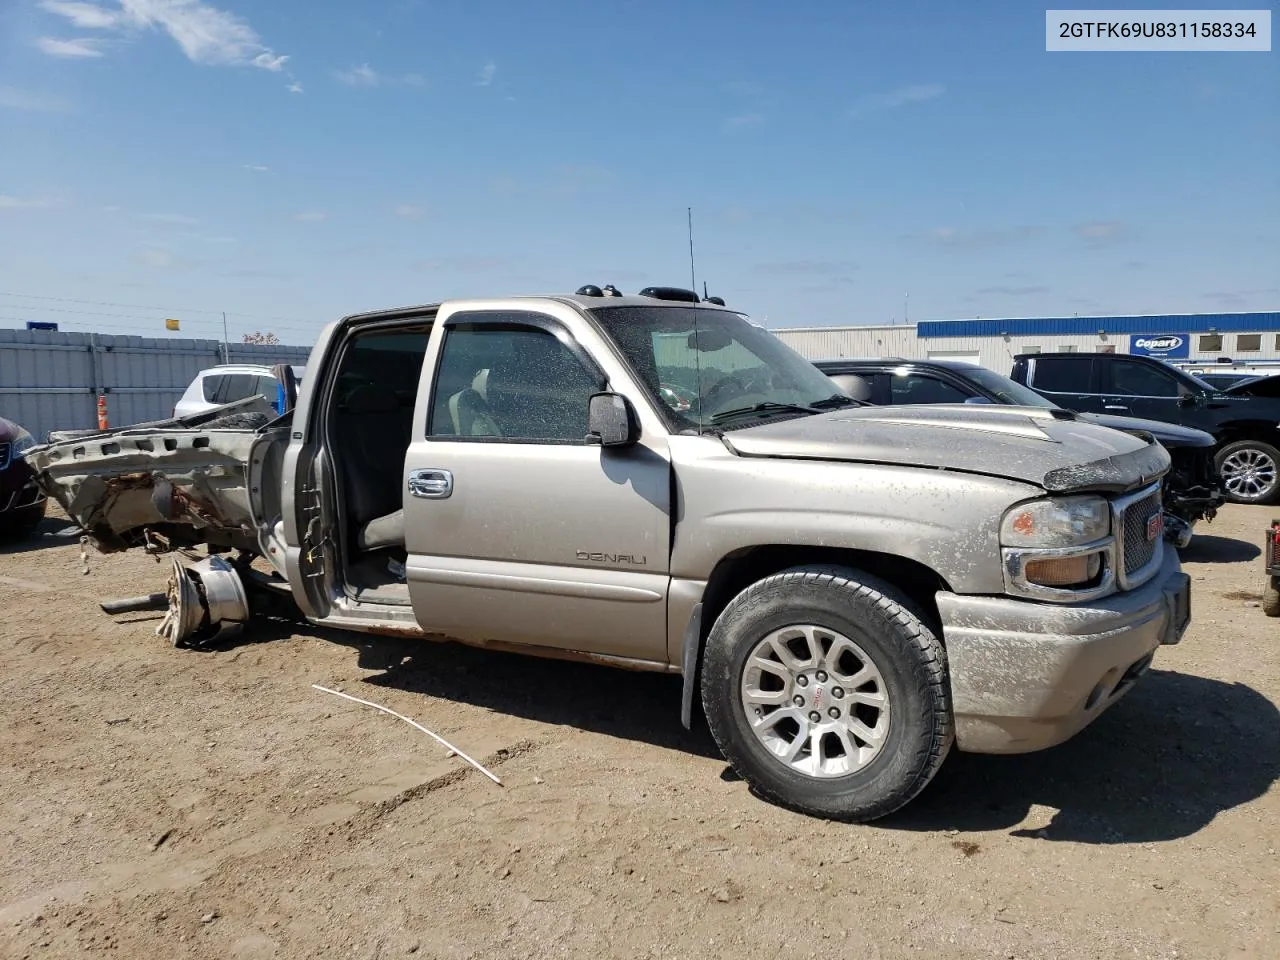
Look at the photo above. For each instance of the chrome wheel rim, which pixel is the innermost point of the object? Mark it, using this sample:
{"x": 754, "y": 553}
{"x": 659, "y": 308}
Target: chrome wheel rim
{"x": 1249, "y": 473}
{"x": 816, "y": 701}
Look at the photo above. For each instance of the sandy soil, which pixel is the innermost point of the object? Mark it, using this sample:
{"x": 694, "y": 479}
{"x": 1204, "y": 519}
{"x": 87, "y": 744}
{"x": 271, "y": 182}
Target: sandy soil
{"x": 167, "y": 803}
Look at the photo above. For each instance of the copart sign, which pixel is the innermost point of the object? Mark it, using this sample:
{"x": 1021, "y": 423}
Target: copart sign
{"x": 1163, "y": 345}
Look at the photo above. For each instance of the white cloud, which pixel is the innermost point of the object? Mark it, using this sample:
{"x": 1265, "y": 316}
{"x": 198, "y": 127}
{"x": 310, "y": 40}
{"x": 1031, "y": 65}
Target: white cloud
{"x": 361, "y": 76}
{"x": 256, "y": 167}
{"x": 294, "y": 87}
{"x": 365, "y": 76}
{"x": 14, "y": 99}
{"x": 487, "y": 74}
{"x": 311, "y": 216}
{"x": 24, "y": 203}
{"x": 88, "y": 16}
{"x": 410, "y": 212}
{"x": 900, "y": 97}
{"x": 80, "y": 47}
{"x": 156, "y": 258}
{"x": 206, "y": 34}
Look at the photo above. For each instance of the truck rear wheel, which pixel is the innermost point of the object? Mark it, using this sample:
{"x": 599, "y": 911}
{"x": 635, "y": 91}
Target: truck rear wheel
{"x": 1250, "y": 471}
{"x": 827, "y": 693}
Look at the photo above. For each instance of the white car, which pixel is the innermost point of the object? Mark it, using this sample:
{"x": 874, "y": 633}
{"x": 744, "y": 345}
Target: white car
{"x": 226, "y": 384}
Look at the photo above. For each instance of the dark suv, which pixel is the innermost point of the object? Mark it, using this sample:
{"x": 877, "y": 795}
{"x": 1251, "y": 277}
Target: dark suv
{"x": 22, "y": 504}
{"x": 1192, "y": 491}
{"x": 1246, "y": 428}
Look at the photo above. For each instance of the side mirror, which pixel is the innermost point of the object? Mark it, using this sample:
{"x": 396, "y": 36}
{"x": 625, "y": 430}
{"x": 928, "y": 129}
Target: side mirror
{"x": 611, "y": 421}
{"x": 1187, "y": 400}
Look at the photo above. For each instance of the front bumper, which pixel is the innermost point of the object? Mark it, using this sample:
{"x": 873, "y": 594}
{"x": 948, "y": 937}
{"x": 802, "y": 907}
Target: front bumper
{"x": 1027, "y": 675}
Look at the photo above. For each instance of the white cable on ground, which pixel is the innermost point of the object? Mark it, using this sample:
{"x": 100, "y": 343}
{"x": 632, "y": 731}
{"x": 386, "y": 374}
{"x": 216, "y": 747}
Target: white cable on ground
{"x": 412, "y": 723}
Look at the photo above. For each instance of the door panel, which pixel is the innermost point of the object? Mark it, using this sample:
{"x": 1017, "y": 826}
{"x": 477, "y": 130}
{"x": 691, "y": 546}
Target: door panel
{"x": 540, "y": 538}
{"x": 1132, "y": 388}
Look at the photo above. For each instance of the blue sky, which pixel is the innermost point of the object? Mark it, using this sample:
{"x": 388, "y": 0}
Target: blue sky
{"x": 292, "y": 161}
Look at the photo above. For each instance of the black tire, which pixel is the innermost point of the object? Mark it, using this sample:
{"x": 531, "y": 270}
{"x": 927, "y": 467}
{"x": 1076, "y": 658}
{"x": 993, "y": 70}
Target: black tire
{"x": 909, "y": 657}
{"x": 1271, "y": 597}
{"x": 1266, "y": 456}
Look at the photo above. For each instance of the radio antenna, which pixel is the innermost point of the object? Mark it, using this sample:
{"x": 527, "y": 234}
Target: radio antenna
{"x": 693, "y": 278}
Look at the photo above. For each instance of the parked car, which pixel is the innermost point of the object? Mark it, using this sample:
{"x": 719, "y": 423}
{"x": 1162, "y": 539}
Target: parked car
{"x": 1192, "y": 491}
{"x": 22, "y": 502}
{"x": 228, "y": 383}
{"x": 1224, "y": 381}
{"x": 1246, "y": 428}
{"x": 848, "y": 590}
{"x": 1254, "y": 386}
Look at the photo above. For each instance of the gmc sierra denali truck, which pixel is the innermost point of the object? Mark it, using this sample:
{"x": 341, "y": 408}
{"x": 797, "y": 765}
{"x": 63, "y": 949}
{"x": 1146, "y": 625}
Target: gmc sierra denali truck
{"x": 658, "y": 483}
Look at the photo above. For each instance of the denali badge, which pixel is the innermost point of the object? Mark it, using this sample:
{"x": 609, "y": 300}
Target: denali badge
{"x": 616, "y": 558}
{"x": 1155, "y": 523}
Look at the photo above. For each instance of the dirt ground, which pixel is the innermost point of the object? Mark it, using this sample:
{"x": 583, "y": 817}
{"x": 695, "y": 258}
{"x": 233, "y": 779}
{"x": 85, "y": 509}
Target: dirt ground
{"x": 164, "y": 803}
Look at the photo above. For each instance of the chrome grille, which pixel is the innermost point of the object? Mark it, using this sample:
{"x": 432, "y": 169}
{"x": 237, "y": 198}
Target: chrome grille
{"x": 1139, "y": 549}
{"x": 5, "y": 453}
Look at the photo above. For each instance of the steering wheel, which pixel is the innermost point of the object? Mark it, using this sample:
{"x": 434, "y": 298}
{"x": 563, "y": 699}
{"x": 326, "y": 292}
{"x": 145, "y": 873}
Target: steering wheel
{"x": 723, "y": 384}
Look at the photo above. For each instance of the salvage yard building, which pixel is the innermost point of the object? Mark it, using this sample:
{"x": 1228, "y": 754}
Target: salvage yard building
{"x": 1184, "y": 338}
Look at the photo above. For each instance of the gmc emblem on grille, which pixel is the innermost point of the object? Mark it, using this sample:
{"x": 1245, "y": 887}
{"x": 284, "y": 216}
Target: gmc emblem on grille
{"x": 1155, "y": 523}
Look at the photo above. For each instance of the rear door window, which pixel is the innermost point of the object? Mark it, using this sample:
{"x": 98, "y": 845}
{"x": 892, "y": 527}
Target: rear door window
{"x": 1063, "y": 374}
{"x": 239, "y": 386}
{"x": 211, "y": 386}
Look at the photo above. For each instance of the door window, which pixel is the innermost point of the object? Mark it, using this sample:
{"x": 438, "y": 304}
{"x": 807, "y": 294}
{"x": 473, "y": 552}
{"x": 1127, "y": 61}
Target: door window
{"x": 1141, "y": 380}
{"x": 922, "y": 388}
{"x": 211, "y": 387}
{"x": 510, "y": 382}
{"x": 1063, "y": 374}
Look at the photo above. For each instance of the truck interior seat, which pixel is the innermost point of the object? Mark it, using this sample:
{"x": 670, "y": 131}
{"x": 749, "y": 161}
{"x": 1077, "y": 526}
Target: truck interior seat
{"x": 371, "y": 436}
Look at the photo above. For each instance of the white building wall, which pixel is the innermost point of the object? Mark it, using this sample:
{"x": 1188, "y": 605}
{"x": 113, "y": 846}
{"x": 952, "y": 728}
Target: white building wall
{"x": 997, "y": 353}
{"x": 994, "y": 353}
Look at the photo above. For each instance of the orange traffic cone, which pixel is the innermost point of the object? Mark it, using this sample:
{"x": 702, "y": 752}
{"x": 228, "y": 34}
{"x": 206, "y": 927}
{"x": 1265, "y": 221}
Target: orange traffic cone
{"x": 102, "y": 412}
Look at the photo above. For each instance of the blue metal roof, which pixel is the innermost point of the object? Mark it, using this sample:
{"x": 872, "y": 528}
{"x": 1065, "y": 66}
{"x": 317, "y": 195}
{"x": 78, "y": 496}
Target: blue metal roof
{"x": 1160, "y": 323}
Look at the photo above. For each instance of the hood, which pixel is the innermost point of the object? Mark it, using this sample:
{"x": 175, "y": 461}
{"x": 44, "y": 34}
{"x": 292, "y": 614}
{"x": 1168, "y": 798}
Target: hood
{"x": 1041, "y": 446}
{"x": 8, "y": 430}
{"x": 1169, "y": 434}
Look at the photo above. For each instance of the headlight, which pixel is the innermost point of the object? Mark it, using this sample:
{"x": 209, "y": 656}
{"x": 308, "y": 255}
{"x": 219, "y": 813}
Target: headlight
{"x": 1060, "y": 522}
{"x": 1059, "y": 549}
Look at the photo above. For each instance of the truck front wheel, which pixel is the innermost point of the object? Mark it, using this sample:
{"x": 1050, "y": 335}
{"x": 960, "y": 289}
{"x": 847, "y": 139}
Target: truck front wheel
{"x": 827, "y": 693}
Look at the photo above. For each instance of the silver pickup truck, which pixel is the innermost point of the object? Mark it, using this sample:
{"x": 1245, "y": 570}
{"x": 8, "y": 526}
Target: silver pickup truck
{"x": 658, "y": 483}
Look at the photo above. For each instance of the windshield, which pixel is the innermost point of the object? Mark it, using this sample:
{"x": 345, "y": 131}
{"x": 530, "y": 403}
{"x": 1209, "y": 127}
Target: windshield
{"x": 714, "y": 368}
{"x": 1008, "y": 391}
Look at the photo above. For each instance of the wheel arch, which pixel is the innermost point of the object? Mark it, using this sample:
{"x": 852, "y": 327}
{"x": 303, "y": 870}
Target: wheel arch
{"x": 1266, "y": 431}
{"x": 739, "y": 569}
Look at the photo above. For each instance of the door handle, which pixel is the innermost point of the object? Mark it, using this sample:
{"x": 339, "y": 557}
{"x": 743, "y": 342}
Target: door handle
{"x": 1113, "y": 406}
{"x": 431, "y": 484}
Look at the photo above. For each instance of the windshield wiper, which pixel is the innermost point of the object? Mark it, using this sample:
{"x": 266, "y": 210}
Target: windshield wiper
{"x": 767, "y": 406}
{"x": 838, "y": 400}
